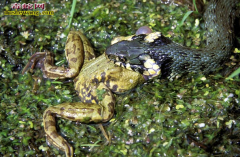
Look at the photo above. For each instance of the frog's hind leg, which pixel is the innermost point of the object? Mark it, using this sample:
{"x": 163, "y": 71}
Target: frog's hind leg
{"x": 80, "y": 111}
{"x": 88, "y": 50}
{"x": 77, "y": 50}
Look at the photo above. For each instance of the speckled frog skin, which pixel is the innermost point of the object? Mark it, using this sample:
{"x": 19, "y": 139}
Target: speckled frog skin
{"x": 92, "y": 75}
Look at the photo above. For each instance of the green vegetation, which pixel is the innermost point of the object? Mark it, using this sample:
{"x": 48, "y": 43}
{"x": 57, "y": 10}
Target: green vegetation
{"x": 193, "y": 116}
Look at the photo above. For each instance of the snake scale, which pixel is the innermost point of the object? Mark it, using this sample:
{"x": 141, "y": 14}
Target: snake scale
{"x": 174, "y": 59}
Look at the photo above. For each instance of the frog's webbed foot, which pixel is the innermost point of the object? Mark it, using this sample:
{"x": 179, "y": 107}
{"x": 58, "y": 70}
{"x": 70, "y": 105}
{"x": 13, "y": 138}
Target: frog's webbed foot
{"x": 36, "y": 60}
{"x": 45, "y": 61}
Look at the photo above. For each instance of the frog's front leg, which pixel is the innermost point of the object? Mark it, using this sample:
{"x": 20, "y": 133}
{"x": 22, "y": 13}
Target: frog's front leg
{"x": 77, "y": 50}
{"x": 79, "y": 111}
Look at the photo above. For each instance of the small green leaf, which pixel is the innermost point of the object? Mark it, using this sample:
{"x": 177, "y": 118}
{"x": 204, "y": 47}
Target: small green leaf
{"x": 72, "y": 13}
{"x": 179, "y": 106}
{"x": 31, "y": 124}
{"x": 195, "y": 6}
{"x": 185, "y": 17}
{"x": 235, "y": 73}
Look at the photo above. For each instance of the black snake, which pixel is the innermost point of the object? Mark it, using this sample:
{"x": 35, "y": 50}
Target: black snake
{"x": 174, "y": 59}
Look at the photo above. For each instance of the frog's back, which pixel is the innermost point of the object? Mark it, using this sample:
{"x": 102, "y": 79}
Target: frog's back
{"x": 99, "y": 70}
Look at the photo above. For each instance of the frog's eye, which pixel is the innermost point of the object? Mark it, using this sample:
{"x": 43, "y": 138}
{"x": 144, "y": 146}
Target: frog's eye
{"x": 122, "y": 59}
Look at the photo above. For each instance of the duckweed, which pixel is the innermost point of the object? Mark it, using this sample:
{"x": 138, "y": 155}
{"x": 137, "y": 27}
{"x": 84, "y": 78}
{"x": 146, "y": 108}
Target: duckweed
{"x": 190, "y": 116}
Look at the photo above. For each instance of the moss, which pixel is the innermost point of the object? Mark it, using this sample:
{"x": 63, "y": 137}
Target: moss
{"x": 194, "y": 115}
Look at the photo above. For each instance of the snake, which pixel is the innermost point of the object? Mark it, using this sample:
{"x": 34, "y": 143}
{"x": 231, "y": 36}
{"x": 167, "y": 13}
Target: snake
{"x": 152, "y": 54}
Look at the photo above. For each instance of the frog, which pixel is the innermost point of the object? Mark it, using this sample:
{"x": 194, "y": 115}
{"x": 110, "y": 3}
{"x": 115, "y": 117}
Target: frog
{"x": 92, "y": 75}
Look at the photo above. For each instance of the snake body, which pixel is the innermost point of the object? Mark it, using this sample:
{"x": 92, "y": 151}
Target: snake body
{"x": 174, "y": 59}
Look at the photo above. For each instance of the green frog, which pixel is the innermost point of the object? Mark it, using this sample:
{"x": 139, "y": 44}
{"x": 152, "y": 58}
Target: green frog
{"x": 92, "y": 76}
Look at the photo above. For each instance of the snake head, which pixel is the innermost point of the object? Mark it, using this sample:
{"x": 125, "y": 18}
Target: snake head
{"x": 136, "y": 54}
